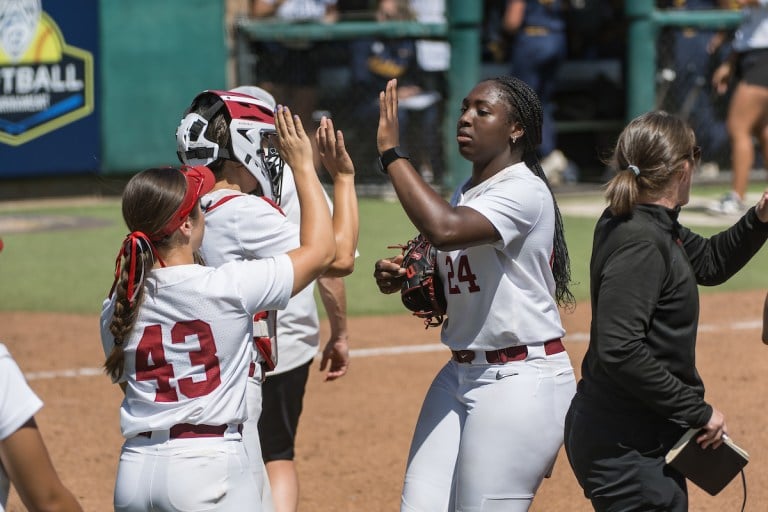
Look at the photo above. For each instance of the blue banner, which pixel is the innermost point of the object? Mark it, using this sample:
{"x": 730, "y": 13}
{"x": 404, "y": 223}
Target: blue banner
{"x": 49, "y": 123}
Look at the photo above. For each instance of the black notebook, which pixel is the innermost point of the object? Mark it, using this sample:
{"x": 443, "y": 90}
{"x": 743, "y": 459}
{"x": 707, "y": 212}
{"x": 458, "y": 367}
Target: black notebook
{"x": 711, "y": 469}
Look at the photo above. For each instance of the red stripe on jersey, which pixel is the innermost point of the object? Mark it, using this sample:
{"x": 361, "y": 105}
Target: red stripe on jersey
{"x": 274, "y": 204}
{"x": 222, "y": 201}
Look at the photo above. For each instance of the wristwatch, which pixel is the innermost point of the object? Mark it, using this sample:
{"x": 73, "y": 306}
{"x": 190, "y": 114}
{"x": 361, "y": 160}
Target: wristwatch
{"x": 389, "y": 156}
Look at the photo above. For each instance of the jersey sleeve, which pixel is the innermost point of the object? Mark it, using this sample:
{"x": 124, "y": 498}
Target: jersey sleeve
{"x": 513, "y": 206}
{"x": 18, "y": 403}
{"x": 263, "y": 284}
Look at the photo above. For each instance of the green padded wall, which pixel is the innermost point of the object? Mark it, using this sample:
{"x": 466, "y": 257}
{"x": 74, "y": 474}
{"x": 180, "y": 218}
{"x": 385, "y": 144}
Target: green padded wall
{"x": 155, "y": 55}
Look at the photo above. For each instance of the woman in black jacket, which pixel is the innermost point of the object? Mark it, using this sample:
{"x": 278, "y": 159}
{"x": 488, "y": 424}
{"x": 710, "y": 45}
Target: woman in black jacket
{"x": 640, "y": 389}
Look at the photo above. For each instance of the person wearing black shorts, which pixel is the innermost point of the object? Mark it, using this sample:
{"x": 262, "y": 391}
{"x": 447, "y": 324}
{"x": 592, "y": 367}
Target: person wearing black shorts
{"x": 747, "y": 67}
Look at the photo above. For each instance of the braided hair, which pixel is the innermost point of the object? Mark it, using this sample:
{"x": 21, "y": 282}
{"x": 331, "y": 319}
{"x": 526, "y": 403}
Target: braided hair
{"x": 150, "y": 199}
{"x": 525, "y": 108}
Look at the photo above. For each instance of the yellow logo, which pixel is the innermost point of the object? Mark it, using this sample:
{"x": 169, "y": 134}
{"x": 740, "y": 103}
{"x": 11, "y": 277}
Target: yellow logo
{"x": 44, "y": 82}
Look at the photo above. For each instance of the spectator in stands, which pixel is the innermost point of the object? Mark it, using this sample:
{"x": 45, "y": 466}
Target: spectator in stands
{"x": 289, "y": 70}
{"x": 434, "y": 60}
{"x": 747, "y": 65}
{"x": 374, "y": 63}
{"x": 538, "y": 48}
{"x": 695, "y": 53}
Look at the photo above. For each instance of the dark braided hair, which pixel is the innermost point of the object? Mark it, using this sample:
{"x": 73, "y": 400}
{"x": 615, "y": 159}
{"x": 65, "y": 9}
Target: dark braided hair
{"x": 525, "y": 108}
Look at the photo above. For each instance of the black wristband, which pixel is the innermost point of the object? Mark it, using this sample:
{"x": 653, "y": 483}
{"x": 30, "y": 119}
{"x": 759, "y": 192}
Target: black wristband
{"x": 389, "y": 156}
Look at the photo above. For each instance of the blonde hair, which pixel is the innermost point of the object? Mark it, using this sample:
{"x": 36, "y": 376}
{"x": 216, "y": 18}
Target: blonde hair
{"x": 649, "y": 151}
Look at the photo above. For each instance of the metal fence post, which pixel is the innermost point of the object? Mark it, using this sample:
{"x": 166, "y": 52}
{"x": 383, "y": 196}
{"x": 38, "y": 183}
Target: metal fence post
{"x": 464, "y": 19}
{"x": 641, "y": 57}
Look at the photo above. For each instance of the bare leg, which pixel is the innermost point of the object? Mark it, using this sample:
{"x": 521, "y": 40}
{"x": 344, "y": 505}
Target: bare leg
{"x": 748, "y": 106}
{"x": 285, "y": 485}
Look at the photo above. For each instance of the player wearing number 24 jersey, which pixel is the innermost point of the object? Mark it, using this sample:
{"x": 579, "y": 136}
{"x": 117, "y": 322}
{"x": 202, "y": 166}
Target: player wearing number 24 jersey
{"x": 491, "y": 423}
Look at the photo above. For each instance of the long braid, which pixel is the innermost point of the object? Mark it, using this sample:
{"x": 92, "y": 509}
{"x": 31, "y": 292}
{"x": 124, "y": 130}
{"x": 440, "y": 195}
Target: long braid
{"x": 149, "y": 201}
{"x": 526, "y": 108}
{"x": 126, "y": 310}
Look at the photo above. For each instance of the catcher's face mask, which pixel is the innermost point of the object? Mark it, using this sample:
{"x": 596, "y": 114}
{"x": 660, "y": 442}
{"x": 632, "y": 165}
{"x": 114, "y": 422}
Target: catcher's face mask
{"x": 251, "y": 141}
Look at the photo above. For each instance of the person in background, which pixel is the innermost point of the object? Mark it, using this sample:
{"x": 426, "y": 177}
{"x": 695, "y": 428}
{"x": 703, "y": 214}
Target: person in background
{"x": 747, "y": 69}
{"x": 377, "y": 60}
{"x": 433, "y": 59}
{"x": 289, "y": 70}
{"x": 537, "y": 48}
{"x": 491, "y": 423}
{"x": 695, "y": 54}
{"x": 24, "y": 459}
{"x": 639, "y": 390}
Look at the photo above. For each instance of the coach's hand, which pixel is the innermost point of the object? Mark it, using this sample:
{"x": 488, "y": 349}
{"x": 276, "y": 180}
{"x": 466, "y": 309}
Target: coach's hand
{"x": 713, "y": 431}
{"x": 761, "y": 209}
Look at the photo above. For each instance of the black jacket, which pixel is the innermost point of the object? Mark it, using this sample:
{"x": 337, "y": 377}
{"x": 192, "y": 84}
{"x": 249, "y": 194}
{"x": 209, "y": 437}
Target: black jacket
{"x": 644, "y": 273}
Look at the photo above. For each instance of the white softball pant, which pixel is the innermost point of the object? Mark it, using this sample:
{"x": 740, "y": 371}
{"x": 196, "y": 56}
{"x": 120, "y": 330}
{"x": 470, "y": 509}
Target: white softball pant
{"x": 185, "y": 475}
{"x": 251, "y": 439}
{"x": 488, "y": 434}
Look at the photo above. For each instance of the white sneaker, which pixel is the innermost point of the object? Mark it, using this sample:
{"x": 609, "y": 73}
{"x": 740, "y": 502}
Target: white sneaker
{"x": 729, "y": 204}
{"x": 709, "y": 170}
{"x": 553, "y": 165}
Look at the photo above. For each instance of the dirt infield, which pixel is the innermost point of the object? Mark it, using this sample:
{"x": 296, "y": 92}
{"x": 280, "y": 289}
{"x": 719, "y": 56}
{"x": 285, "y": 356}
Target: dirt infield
{"x": 354, "y": 435}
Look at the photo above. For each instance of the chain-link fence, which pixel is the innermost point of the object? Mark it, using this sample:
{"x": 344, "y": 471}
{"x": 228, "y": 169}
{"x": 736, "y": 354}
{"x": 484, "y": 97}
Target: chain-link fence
{"x": 341, "y": 79}
{"x": 340, "y": 76}
{"x": 686, "y": 60}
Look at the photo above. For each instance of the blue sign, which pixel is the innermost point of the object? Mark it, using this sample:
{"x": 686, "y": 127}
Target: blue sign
{"x": 48, "y": 117}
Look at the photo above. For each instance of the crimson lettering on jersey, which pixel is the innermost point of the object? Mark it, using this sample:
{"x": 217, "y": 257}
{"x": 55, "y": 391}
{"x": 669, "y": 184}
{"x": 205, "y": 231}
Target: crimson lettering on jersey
{"x": 152, "y": 365}
{"x": 465, "y": 275}
{"x": 205, "y": 357}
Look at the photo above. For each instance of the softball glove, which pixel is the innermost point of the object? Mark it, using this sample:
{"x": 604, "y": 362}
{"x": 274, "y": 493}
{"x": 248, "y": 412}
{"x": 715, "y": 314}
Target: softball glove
{"x": 422, "y": 290}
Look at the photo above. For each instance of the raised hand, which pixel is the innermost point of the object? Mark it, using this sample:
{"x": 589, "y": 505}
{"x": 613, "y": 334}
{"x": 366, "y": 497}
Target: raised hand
{"x": 388, "y": 135}
{"x": 333, "y": 152}
{"x": 292, "y": 141}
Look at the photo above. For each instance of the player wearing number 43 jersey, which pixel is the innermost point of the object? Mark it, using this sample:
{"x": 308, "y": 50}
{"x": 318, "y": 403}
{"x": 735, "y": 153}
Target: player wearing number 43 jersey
{"x": 232, "y": 133}
{"x": 178, "y": 335}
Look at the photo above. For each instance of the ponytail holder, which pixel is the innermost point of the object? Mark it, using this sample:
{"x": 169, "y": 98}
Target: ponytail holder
{"x": 634, "y": 169}
{"x": 132, "y": 243}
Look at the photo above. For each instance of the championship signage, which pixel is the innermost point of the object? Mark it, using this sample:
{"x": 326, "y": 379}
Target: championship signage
{"x": 47, "y": 84}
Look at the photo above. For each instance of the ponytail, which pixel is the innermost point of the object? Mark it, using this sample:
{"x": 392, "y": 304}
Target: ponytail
{"x": 135, "y": 259}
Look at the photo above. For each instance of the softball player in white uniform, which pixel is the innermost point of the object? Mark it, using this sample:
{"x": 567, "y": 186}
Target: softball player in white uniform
{"x": 492, "y": 421}
{"x": 185, "y": 366}
{"x": 500, "y": 424}
{"x": 23, "y": 454}
{"x": 18, "y": 403}
{"x": 242, "y": 226}
{"x": 184, "y": 358}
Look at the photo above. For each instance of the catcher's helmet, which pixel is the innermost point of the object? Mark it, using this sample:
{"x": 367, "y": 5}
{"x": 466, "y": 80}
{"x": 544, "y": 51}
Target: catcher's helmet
{"x": 251, "y": 125}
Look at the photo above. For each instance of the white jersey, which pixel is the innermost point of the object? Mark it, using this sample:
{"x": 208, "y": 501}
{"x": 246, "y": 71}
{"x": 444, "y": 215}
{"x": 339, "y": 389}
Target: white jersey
{"x": 249, "y": 227}
{"x": 752, "y": 33}
{"x": 188, "y": 355}
{"x": 18, "y": 403}
{"x": 503, "y": 294}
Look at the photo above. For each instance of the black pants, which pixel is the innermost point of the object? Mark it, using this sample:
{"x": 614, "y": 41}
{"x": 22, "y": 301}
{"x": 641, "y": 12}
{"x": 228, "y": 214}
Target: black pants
{"x": 619, "y": 460}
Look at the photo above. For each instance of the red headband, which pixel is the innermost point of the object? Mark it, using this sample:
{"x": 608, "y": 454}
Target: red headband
{"x": 200, "y": 181}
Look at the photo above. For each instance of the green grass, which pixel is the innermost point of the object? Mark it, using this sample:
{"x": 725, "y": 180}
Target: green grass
{"x": 71, "y": 270}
